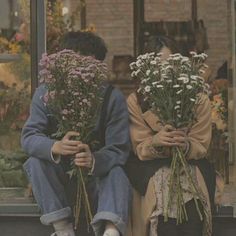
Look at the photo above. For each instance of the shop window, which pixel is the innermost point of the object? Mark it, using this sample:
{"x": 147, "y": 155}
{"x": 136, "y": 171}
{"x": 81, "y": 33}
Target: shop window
{"x": 15, "y": 87}
{"x": 19, "y": 43}
{"x": 197, "y": 27}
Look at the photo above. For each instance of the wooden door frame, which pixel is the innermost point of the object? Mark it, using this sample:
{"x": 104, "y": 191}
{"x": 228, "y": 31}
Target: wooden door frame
{"x": 139, "y": 20}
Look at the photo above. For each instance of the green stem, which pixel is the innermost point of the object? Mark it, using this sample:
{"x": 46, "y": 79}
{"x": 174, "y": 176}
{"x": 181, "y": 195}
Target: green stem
{"x": 173, "y": 164}
{"x": 87, "y": 206}
{"x": 78, "y": 204}
{"x": 192, "y": 184}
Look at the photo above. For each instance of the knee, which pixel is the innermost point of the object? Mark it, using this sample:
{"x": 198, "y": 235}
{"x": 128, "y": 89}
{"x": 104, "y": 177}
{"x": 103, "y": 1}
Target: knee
{"x": 117, "y": 172}
{"x": 117, "y": 175}
{"x": 33, "y": 165}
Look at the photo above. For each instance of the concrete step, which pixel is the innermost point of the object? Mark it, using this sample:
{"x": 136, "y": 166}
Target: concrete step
{"x": 31, "y": 226}
{"x": 19, "y": 216}
{"x": 23, "y": 226}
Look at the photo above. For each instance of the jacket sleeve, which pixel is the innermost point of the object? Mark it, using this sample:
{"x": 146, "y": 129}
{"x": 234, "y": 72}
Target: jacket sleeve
{"x": 117, "y": 140}
{"x": 141, "y": 134}
{"x": 34, "y": 140}
{"x": 200, "y": 133}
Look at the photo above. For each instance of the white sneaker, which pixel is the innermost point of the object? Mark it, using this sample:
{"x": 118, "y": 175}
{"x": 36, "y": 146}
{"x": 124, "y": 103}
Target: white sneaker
{"x": 111, "y": 232}
{"x": 63, "y": 233}
{"x": 63, "y": 228}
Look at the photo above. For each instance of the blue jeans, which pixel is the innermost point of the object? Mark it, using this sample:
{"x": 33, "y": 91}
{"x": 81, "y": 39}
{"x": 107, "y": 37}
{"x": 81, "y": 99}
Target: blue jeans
{"x": 112, "y": 193}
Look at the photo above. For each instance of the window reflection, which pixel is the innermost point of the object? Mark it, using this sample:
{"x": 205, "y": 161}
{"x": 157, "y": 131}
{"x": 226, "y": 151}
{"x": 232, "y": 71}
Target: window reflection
{"x": 197, "y": 27}
{"x": 14, "y": 88}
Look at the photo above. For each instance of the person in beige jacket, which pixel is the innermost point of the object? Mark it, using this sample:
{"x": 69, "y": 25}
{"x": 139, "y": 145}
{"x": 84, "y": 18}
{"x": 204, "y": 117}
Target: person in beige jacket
{"x": 150, "y": 184}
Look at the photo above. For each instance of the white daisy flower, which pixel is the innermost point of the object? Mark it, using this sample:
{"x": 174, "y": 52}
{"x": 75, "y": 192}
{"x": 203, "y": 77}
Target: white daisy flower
{"x": 201, "y": 71}
{"x": 147, "y": 89}
{"x": 133, "y": 74}
{"x": 186, "y": 80}
{"x": 176, "y": 107}
{"x": 192, "y": 53}
{"x": 139, "y": 90}
{"x": 132, "y": 65}
{"x": 176, "y": 86}
{"x": 138, "y": 63}
{"x": 136, "y": 73}
{"x": 194, "y": 77}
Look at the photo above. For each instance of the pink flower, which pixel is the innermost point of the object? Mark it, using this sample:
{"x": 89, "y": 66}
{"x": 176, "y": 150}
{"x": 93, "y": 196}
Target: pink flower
{"x": 52, "y": 94}
{"x": 19, "y": 37}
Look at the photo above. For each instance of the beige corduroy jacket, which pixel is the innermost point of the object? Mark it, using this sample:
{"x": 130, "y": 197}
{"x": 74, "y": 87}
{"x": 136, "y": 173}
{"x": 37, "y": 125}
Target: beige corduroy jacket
{"x": 142, "y": 128}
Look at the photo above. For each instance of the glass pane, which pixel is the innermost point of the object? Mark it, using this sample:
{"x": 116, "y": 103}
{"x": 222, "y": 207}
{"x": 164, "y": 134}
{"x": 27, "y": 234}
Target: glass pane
{"x": 230, "y": 191}
{"x": 221, "y": 53}
{"x": 62, "y": 16}
{"x": 197, "y": 27}
{"x": 14, "y": 88}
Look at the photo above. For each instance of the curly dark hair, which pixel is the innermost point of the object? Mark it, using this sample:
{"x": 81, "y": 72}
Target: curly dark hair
{"x": 86, "y": 43}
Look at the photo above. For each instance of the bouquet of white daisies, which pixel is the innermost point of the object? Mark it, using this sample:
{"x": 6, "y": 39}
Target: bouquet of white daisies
{"x": 172, "y": 89}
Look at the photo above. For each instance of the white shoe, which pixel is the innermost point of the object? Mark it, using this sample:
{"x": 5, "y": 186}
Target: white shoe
{"x": 63, "y": 233}
{"x": 111, "y": 232}
{"x": 63, "y": 228}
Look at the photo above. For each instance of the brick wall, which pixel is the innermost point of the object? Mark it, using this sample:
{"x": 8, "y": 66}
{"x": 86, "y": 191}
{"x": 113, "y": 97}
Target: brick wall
{"x": 215, "y": 16}
{"x": 167, "y": 10}
{"x": 113, "y": 20}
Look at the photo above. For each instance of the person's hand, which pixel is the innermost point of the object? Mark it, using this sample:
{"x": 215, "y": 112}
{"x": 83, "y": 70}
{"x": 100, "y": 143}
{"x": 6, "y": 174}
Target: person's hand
{"x": 84, "y": 157}
{"x": 66, "y": 146}
{"x": 164, "y": 137}
{"x": 181, "y": 139}
{"x": 169, "y": 136}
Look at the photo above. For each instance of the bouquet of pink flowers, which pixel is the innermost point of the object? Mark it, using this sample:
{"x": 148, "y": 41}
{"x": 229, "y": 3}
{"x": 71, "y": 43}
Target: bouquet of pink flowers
{"x": 74, "y": 98}
{"x": 172, "y": 89}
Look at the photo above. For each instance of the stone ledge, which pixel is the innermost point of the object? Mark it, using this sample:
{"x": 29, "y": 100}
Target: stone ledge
{"x": 20, "y": 209}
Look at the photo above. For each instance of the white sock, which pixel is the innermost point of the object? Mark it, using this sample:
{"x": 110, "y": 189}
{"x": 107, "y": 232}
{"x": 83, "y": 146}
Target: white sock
{"x": 111, "y": 230}
{"x": 63, "y": 226}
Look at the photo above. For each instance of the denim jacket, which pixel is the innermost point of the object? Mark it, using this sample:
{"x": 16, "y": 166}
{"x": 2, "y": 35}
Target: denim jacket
{"x": 36, "y": 141}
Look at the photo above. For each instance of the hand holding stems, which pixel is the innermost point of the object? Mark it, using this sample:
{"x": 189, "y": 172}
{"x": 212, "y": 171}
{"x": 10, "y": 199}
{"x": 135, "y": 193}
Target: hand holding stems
{"x": 168, "y": 136}
{"x": 177, "y": 140}
{"x": 82, "y": 158}
{"x": 68, "y": 147}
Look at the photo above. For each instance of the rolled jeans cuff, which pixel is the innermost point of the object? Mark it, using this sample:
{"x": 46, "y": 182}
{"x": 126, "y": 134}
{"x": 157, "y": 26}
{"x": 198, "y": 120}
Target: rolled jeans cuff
{"x": 54, "y": 216}
{"x": 98, "y": 221}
